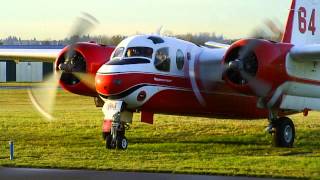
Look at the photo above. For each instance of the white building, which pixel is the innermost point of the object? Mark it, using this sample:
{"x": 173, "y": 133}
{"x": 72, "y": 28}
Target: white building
{"x": 3, "y": 72}
{"x": 29, "y": 72}
{"x": 25, "y": 71}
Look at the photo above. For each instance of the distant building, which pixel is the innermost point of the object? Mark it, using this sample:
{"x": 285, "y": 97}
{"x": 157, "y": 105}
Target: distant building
{"x": 11, "y": 71}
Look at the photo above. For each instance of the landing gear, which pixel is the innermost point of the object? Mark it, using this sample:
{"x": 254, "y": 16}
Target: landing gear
{"x": 282, "y": 129}
{"x": 116, "y": 121}
{"x": 121, "y": 142}
{"x": 284, "y": 133}
{"x": 109, "y": 143}
{"x": 116, "y": 138}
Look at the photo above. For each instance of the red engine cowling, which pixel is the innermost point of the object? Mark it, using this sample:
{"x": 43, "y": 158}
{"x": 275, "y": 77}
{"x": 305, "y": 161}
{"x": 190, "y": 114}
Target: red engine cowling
{"x": 261, "y": 59}
{"x": 88, "y": 58}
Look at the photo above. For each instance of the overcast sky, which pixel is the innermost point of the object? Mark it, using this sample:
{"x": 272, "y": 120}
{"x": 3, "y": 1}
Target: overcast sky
{"x": 53, "y": 19}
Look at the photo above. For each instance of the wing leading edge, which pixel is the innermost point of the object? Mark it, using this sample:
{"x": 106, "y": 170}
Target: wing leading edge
{"x": 34, "y": 55}
{"x": 217, "y": 45}
{"x": 305, "y": 53}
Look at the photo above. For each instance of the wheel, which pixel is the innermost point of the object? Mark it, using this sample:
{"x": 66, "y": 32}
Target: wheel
{"x": 105, "y": 134}
{"x": 122, "y": 142}
{"x": 110, "y": 144}
{"x": 284, "y": 134}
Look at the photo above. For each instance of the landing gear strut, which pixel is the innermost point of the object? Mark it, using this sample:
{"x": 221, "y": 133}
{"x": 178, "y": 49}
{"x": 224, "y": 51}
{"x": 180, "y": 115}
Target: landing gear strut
{"x": 116, "y": 121}
{"x": 282, "y": 129}
{"x": 116, "y": 138}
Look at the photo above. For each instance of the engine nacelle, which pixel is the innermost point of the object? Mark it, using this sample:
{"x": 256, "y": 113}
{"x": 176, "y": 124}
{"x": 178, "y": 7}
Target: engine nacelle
{"x": 260, "y": 59}
{"x": 86, "y": 58}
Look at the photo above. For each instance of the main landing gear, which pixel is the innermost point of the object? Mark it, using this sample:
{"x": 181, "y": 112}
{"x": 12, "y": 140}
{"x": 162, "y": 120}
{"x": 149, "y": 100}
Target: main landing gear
{"x": 282, "y": 129}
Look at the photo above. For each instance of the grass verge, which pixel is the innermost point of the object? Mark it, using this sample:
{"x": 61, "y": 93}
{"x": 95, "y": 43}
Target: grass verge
{"x": 173, "y": 144}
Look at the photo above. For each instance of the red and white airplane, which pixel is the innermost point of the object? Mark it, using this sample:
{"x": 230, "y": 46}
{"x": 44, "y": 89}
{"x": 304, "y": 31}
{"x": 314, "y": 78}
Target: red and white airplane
{"x": 150, "y": 74}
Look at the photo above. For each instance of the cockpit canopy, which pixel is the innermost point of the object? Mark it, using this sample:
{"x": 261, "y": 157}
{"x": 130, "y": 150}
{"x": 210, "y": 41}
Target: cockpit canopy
{"x": 163, "y": 54}
{"x": 133, "y": 52}
{"x": 144, "y": 55}
{"x": 139, "y": 52}
{"x": 131, "y": 55}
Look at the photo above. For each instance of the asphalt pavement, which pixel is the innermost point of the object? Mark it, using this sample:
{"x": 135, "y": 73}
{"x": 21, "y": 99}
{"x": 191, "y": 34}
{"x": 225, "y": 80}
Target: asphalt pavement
{"x": 14, "y": 87}
{"x": 57, "y": 174}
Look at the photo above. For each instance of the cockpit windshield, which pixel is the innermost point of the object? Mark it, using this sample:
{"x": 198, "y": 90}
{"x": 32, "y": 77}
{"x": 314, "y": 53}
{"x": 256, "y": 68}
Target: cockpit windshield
{"x": 133, "y": 55}
{"x": 139, "y": 52}
{"x": 118, "y": 53}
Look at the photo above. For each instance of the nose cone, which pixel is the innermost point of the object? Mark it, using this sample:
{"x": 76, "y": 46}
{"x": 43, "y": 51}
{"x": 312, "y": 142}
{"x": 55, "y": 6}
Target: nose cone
{"x": 118, "y": 81}
{"x": 113, "y": 84}
{"x": 107, "y": 81}
{"x": 107, "y": 84}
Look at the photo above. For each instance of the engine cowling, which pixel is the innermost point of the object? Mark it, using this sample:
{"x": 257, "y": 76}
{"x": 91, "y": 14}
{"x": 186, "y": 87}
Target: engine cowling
{"x": 86, "y": 58}
{"x": 263, "y": 60}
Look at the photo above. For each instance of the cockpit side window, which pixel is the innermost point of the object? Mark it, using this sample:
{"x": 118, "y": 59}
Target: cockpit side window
{"x": 118, "y": 53}
{"x": 162, "y": 60}
{"x": 139, "y": 52}
{"x": 180, "y": 59}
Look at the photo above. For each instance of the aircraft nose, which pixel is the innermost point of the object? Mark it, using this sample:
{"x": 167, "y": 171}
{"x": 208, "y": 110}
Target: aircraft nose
{"x": 108, "y": 84}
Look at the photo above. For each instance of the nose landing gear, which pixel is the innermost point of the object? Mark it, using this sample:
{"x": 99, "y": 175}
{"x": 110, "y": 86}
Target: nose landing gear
{"x": 117, "y": 121}
{"x": 116, "y": 138}
{"x": 118, "y": 141}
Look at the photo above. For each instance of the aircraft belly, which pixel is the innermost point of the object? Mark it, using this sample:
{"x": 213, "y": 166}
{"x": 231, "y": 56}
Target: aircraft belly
{"x": 182, "y": 102}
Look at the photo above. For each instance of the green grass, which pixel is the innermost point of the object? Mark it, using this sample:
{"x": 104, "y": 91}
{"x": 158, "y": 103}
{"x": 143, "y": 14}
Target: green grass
{"x": 173, "y": 144}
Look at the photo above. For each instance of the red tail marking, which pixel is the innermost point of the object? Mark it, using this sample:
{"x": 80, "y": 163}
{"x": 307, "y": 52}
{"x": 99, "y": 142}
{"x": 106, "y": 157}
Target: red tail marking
{"x": 288, "y": 33}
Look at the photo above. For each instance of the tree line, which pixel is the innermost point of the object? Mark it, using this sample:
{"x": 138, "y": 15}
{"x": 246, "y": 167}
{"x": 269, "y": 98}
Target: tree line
{"x": 199, "y": 38}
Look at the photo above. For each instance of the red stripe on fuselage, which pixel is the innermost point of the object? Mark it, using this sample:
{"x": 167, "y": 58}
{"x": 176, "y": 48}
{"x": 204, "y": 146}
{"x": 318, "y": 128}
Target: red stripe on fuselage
{"x": 305, "y": 81}
{"x": 116, "y": 83}
{"x": 289, "y": 27}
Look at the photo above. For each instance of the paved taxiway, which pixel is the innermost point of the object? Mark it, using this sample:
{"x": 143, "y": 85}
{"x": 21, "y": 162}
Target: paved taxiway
{"x": 15, "y": 87}
{"x": 22, "y": 87}
{"x": 53, "y": 174}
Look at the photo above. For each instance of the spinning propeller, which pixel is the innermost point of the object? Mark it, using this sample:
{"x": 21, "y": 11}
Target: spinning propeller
{"x": 240, "y": 70}
{"x": 243, "y": 70}
{"x": 71, "y": 70}
{"x": 272, "y": 30}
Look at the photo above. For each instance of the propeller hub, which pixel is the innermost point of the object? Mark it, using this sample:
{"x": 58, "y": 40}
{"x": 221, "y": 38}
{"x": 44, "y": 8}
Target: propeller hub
{"x": 236, "y": 65}
{"x": 66, "y": 67}
{"x": 70, "y": 63}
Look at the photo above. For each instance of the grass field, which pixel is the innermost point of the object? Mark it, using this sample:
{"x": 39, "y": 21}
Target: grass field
{"x": 173, "y": 144}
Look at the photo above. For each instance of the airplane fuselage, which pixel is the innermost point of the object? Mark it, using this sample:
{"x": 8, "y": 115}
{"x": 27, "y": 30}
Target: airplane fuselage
{"x": 144, "y": 85}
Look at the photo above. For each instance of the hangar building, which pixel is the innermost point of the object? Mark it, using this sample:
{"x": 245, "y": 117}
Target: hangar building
{"x": 11, "y": 71}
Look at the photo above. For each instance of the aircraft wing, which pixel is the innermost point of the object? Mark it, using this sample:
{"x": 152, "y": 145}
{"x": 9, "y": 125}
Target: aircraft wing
{"x": 306, "y": 53}
{"x": 34, "y": 55}
{"x": 217, "y": 45}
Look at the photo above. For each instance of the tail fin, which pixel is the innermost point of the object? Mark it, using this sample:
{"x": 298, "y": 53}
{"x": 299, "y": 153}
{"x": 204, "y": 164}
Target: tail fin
{"x": 303, "y": 25}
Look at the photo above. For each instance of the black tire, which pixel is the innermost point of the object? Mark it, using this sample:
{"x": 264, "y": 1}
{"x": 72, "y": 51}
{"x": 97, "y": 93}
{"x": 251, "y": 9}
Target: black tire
{"x": 122, "y": 143}
{"x": 105, "y": 134}
{"x": 284, "y": 134}
{"x": 109, "y": 143}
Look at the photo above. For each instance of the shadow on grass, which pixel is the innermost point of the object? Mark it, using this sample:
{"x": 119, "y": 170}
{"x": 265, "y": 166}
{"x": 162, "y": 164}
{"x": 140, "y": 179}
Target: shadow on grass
{"x": 306, "y": 142}
{"x": 226, "y": 140}
{"x": 297, "y": 153}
